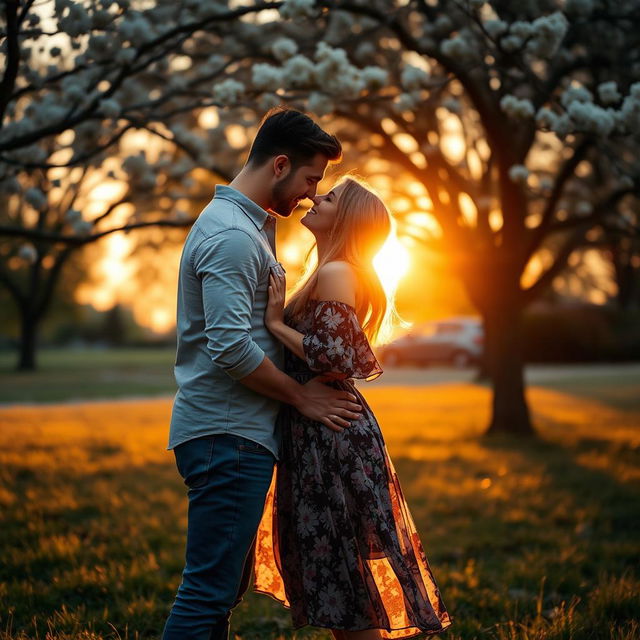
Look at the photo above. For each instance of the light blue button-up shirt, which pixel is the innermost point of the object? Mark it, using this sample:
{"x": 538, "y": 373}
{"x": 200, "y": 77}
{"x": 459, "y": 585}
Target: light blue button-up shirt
{"x": 222, "y": 297}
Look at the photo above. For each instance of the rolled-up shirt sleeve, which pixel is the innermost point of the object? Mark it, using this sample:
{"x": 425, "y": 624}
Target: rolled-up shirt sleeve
{"x": 228, "y": 266}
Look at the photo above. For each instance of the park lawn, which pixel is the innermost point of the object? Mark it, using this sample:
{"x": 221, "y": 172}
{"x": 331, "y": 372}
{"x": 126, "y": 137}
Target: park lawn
{"x": 76, "y": 374}
{"x": 527, "y": 539}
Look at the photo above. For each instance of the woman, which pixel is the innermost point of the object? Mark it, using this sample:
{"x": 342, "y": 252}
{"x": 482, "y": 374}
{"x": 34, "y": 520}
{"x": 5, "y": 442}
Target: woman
{"x": 337, "y": 542}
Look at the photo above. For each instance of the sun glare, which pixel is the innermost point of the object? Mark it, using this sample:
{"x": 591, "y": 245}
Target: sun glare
{"x": 391, "y": 263}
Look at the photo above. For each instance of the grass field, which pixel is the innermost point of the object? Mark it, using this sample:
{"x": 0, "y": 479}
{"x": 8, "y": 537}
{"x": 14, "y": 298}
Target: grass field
{"x": 67, "y": 374}
{"x": 529, "y": 540}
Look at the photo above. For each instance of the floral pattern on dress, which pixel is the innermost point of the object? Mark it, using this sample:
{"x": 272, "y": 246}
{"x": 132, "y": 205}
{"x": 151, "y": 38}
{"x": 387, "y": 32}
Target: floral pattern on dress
{"x": 336, "y": 344}
{"x": 337, "y": 543}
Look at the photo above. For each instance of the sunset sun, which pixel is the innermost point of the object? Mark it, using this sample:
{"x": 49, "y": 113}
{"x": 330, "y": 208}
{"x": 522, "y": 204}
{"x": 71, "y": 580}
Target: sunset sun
{"x": 391, "y": 263}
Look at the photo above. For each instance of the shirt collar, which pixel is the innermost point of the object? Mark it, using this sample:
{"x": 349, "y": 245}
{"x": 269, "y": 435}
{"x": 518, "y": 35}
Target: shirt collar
{"x": 255, "y": 212}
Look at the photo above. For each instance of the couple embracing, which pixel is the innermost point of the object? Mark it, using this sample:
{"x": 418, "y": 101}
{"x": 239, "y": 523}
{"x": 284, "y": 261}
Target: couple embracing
{"x": 261, "y": 385}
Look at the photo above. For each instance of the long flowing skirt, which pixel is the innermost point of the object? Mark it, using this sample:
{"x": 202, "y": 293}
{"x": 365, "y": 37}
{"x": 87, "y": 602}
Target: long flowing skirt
{"x": 337, "y": 543}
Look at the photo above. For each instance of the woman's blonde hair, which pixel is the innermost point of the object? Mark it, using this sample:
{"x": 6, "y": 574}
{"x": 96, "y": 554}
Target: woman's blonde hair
{"x": 361, "y": 227}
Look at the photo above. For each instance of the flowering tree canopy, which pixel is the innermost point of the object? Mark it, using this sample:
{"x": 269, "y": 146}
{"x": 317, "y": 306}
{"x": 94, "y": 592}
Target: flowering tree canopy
{"x": 520, "y": 120}
{"x": 516, "y": 122}
{"x": 97, "y": 103}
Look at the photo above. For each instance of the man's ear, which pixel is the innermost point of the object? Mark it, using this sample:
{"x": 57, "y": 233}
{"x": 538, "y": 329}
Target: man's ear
{"x": 281, "y": 166}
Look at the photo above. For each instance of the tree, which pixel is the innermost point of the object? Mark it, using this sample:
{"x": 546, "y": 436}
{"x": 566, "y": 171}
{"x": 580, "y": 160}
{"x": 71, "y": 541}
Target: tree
{"x": 80, "y": 84}
{"x": 505, "y": 112}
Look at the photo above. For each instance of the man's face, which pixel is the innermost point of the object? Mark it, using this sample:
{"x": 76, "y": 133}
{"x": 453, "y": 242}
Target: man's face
{"x": 297, "y": 185}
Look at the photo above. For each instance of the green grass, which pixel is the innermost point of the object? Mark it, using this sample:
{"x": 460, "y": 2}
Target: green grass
{"x": 529, "y": 540}
{"x": 67, "y": 374}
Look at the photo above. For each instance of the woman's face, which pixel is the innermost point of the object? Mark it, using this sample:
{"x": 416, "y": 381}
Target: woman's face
{"x": 321, "y": 217}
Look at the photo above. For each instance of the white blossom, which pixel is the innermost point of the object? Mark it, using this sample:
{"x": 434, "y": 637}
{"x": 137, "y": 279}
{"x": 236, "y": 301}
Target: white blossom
{"x": 296, "y": 9}
{"x": 268, "y": 101}
{"x": 72, "y": 89}
{"x": 495, "y": 28}
{"x": 374, "y": 78}
{"x": 72, "y": 215}
{"x": 82, "y": 227}
{"x": 212, "y": 64}
{"x": 413, "y": 78}
{"x": 180, "y": 168}
{"x": 228, "y": 91}
{"x": 209, "y": 8}
{"x": 405, "y": 102}
{"x": 563, "y": 125}
{"x": 136, "y": 29}
{"x": 511, "y": 43}
{"x": 265, "y": 76}
{"x": 630, "y": 111}
{"x": 364, "y": 52}
{"x": 178, "y": 82}
{"x": 99, "y": 47}
{"x": 546, "y": 183}
{"x": 590, "y": 117}
{"x": 299, "y": 71}
{"x": 126, "y": 55}
{"x": 136, "y": 165}
{"x": 457, "y": 48}
{"x": 110, "y": 108}
{"x": 76, "y": 22}
{"x": 575, "y": 93}
{"x": 28, "y": 253}
{"x": 608, "y": 92}
{"x": 584, "y": 208}
{"x": 147, "y": 181}
{"x": 453, "y": 105}
{"x": 517, "y": 107}
{"x": 284, "y": 48}
{"x": 521, "y": 29}
{"x": 320, "y": 104}
{"x": 335, "y": 73}
{"x": 443, "y": 25}
{"x": 546, "y": 118}
{"x": 548, "y": 33}
{"x": 131, "y": 92}
{"x": 518, "y": 173}
{"x": 36, "y": 198}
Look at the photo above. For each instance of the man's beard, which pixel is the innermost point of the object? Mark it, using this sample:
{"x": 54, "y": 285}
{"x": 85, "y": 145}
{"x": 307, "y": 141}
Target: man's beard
{"x": 283, "y": 202}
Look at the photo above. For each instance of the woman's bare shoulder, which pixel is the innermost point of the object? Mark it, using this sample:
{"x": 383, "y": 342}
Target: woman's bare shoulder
{"x": 336, "y": 281}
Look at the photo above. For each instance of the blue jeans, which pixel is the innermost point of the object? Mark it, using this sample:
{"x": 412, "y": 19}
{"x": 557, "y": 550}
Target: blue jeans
{"x": 228, "y": 478}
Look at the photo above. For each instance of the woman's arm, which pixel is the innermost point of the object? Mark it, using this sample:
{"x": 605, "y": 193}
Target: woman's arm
{"x": 335, "y": 282}
{"x": 274, "y": 316}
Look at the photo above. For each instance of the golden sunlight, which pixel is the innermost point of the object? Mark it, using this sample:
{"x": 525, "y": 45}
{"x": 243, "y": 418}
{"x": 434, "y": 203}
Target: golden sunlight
{"x": 391, "y": 263}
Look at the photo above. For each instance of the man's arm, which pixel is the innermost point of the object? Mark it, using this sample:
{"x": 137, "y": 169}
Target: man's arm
{"x": 228, "y": 266}
{"x": 332, "y": 407}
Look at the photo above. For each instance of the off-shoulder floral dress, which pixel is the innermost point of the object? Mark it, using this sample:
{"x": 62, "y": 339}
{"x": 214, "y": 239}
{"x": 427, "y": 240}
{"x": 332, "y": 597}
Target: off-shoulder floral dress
{"x": 337, "y": 543}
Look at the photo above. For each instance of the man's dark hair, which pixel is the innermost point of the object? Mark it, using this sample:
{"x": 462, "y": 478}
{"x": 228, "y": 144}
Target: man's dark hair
{"x": 292, "y": 133}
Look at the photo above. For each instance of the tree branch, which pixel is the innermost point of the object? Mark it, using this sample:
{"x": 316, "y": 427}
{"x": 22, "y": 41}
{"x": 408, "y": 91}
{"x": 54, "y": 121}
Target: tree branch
{"x": 13, "y": 55}
{"x": 567, "y": 171}
{"x": 71, "y": 240}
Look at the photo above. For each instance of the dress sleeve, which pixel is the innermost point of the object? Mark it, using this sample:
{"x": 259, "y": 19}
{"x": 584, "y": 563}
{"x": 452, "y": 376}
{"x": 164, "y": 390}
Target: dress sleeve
{"x": 336, "y": 343}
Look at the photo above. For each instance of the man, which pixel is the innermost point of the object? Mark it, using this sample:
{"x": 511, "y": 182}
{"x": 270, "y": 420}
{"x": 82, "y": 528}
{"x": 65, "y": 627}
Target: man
{"x": 227, "y": 369}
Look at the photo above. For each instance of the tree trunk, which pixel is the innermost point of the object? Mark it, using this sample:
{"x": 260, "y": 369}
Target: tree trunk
{"x": 503, "y": 344}
{"x": 28, "y": 342}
